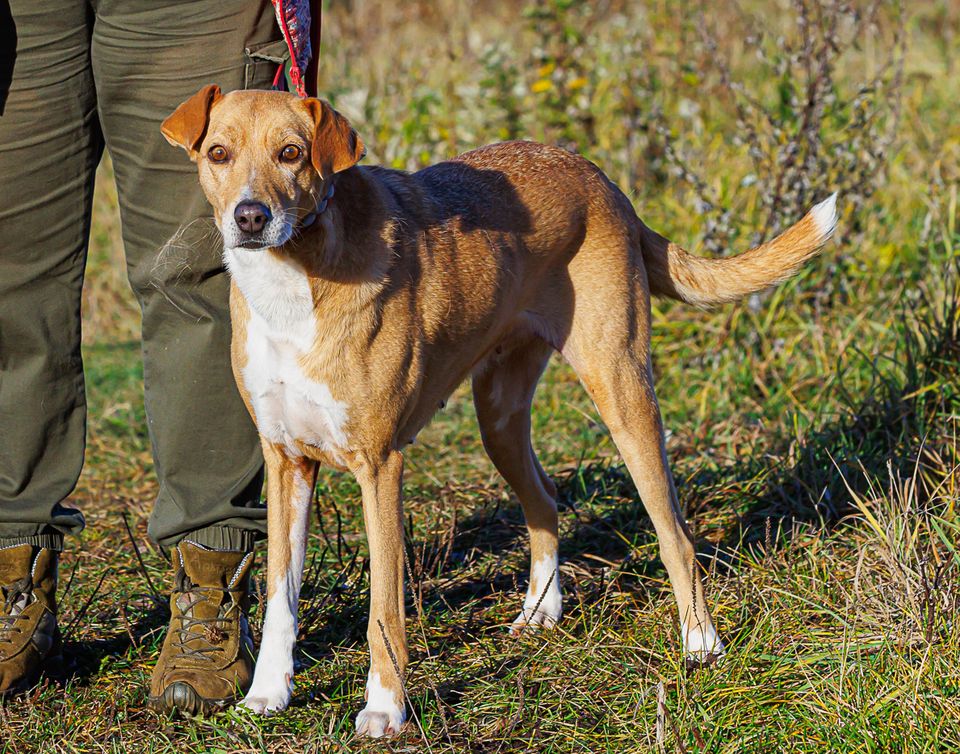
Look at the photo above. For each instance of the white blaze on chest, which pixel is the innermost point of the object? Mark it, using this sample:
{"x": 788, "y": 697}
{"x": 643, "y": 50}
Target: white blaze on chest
{"x": 288, "y": 405}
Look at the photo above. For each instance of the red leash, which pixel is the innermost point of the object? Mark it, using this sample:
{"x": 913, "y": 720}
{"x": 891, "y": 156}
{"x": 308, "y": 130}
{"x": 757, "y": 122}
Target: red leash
{"x": 313, "y": 71}
{"x": 300, "y": 23}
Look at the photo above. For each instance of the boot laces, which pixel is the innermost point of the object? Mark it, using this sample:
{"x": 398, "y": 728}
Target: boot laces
{"x": 208, "y": 634}
{"x": 16, "y": 597}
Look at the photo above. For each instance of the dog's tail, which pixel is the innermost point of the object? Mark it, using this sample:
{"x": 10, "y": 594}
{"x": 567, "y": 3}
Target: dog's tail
{"x": 700, "y": 281}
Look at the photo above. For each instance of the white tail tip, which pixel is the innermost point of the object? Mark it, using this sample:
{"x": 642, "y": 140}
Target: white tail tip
{"x": 824, "y": 216}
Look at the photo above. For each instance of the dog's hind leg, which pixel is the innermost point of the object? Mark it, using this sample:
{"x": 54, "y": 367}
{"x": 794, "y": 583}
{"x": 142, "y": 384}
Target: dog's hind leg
{"x": 609, "y": 347}
{"x": 290, "y": 484}
{"x": 503, "y": 389}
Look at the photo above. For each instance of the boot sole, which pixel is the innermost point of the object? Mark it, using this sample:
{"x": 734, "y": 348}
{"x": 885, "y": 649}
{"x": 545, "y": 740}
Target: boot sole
{"x": 182, "y": 697}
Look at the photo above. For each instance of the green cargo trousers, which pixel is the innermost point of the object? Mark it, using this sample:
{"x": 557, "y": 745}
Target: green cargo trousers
{"x": 77, "y": 76}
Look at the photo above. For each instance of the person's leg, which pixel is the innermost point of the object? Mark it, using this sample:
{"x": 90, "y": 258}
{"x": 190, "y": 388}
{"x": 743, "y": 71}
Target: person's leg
{"x": 50, "y": 144}
{"x": 147, "y": 58}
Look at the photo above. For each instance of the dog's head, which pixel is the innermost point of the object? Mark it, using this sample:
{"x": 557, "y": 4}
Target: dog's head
{"x": 264, "y": 159}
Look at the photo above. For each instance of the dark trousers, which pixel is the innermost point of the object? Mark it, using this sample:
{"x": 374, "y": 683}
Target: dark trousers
{"x": 78, "y": 76}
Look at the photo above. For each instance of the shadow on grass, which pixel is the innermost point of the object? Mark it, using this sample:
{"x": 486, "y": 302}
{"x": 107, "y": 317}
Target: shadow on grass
{"x": 83, "y": 658}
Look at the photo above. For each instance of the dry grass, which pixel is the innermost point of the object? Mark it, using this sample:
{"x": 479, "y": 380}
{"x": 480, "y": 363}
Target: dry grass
{"x": 813, "y": 430}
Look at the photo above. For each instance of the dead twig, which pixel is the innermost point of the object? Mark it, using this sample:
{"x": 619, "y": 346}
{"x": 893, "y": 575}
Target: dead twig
{"x": 143, "y": 568}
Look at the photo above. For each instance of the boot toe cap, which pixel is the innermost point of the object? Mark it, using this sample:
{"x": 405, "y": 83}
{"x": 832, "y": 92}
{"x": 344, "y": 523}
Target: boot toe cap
{"x": 181, "y": 696}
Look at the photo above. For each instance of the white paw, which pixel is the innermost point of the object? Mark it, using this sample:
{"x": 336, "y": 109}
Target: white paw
{"x": 530, "y": 619}
{"x": 701, "y": 643}
{"x": 382, "y": 716}
{"x": 268, "y": 698}
{"x": 543, "y": 604}
{"x": 376, "y": 723}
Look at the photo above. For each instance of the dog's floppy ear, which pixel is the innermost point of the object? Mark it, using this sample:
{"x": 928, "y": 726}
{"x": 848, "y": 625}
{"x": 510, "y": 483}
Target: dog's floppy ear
{"x": 186, "y": 126}
{"x": 336, "y": 146}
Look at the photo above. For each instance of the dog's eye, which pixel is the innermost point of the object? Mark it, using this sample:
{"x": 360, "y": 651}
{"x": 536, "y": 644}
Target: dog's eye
{"x": 290, "y": 153}
{"x": 216, "y": 153}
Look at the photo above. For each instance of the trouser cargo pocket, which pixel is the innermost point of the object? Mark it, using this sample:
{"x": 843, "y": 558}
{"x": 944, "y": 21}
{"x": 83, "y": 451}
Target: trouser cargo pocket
{"x": 262, "y": 62}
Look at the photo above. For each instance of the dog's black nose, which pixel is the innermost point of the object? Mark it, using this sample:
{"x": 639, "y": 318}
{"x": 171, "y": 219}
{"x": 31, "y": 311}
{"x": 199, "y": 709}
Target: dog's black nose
{"x": 251, "y": 216}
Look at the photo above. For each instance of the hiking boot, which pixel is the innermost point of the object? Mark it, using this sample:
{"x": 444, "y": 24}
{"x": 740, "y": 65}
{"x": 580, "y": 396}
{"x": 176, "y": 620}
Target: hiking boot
{"x": 28, "y": 615}
{"x": 207, "y": 658}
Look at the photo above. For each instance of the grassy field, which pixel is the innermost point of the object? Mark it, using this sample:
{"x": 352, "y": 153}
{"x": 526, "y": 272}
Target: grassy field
{"x": 812, "y": 429}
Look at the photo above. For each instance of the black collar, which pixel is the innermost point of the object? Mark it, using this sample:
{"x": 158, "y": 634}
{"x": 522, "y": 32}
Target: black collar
{"x": 311, "y": 218}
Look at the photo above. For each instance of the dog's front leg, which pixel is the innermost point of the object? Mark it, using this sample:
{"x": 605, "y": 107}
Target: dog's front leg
{"x": 290, "y": 483}
{"x": 381, "y": 484}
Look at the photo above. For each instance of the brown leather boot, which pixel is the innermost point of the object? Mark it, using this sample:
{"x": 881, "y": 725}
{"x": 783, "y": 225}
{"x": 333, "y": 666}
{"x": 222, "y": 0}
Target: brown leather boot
{"x": 28, "y": 615}
{"x": 207, "y": 658}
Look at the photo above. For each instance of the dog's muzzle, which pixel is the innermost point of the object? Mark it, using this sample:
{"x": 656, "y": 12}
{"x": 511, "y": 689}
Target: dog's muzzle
{"x": 254, "y": 227}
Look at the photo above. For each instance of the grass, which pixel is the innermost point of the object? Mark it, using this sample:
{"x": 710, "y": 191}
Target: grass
{"x": 812, "y": 429}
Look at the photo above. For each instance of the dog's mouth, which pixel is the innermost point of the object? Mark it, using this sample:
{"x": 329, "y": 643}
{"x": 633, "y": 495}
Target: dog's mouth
{"x": 273, "y": 236}
{"x": 253, "y": 244}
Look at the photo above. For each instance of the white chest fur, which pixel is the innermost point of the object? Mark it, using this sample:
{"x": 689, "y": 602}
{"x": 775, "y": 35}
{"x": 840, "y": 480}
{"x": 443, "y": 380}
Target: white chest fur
{"x": 288, "y": 405}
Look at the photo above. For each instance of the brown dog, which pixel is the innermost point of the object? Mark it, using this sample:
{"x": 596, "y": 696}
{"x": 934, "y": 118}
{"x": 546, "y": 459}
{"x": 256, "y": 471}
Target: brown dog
{"x": 356, "y": 314}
